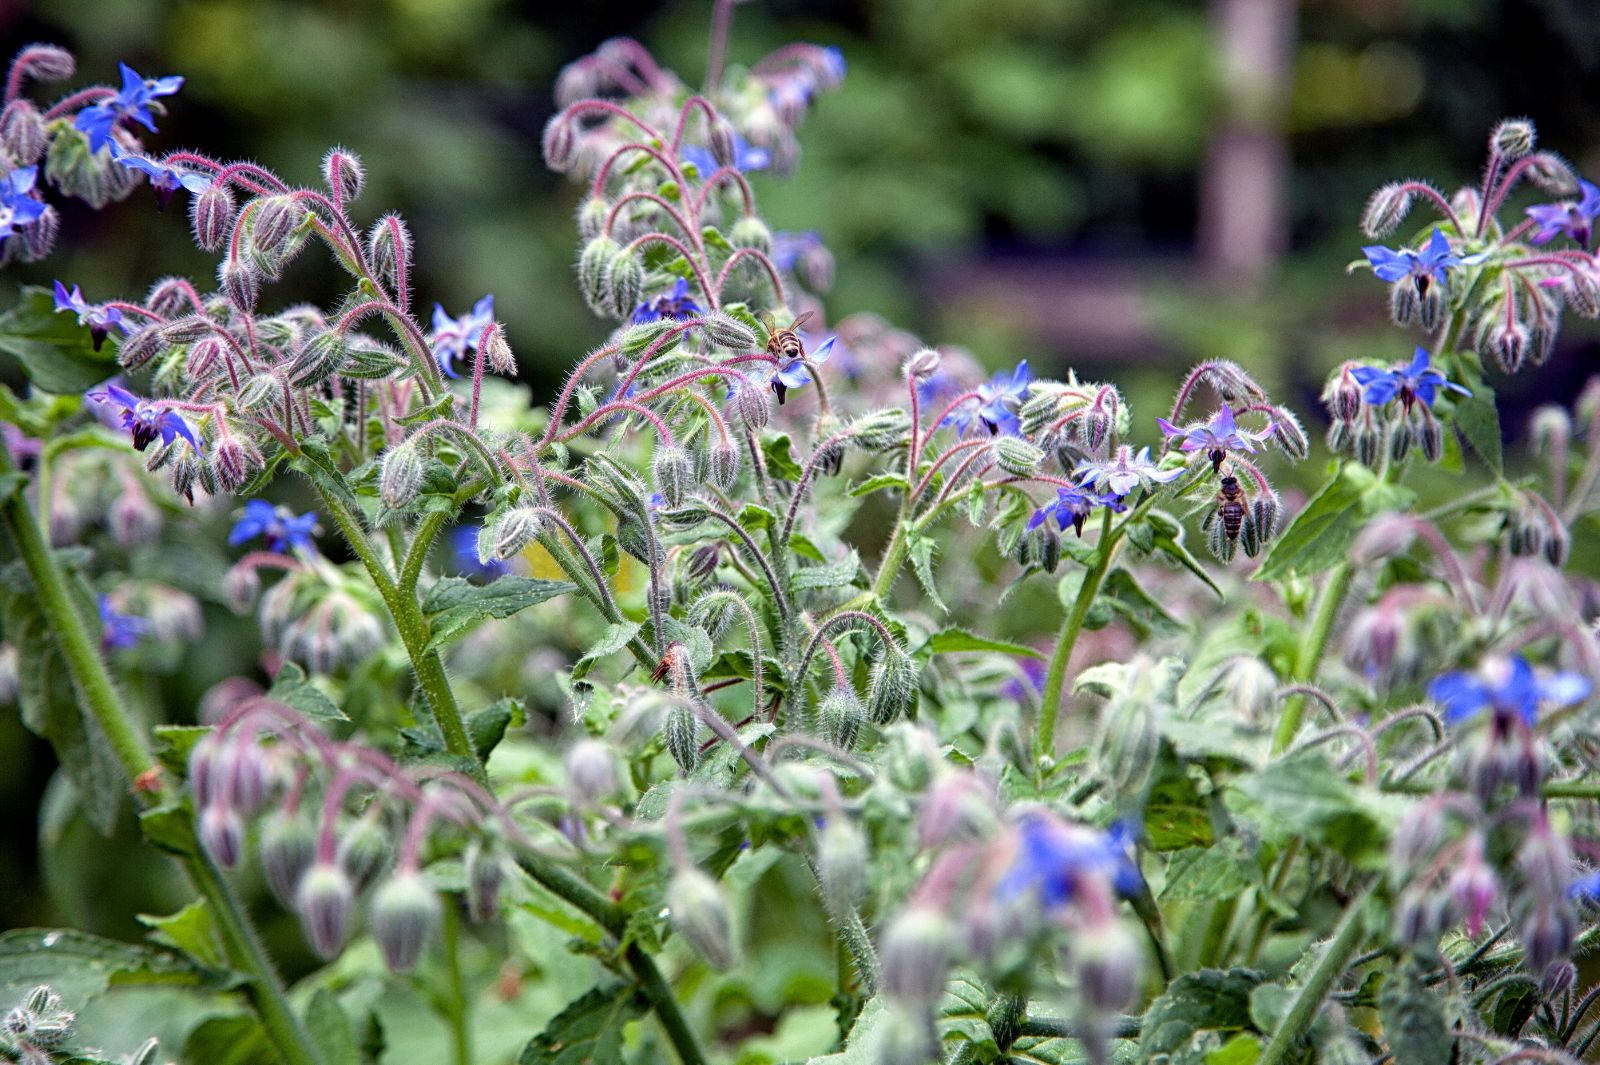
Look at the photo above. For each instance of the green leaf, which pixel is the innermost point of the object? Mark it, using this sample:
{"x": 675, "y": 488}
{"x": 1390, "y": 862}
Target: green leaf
{"x": 614, "y": 639}
{"x": 1220, "y": 871}
{"x": 1207, "y": 1000}
{"x": 80, "y": 966}
{"x": 1306, "y": 797}
{"x": 1477, "y": 418}
{"x": 488, "y": 726}
{"x": 879, "y": 483}
{"x": 55, "y": 351}
{"x": 922, "y": 550}
{"x": 51, "y": 710}
{"x": 1413, "y": 1017}
{"x": 330, "y": 1029}
{"x": 952, "y": 640}
{"x": 190, "y": 930}
{"x": 589, "y": 1031}
{"x": 455, "y": 605}
{"x": 1125, "y": 595}
{"x": 827, "y": 575}
{"x": 780, "y": 460}
{"x": 230, "y": 1041}
{"x": 174, "y": 742}
{"x": 1319, "y": 535}
{"x": 1240, "y": 1050}
{"x": 295, "y": 689}
{"x": 170, "y": 828}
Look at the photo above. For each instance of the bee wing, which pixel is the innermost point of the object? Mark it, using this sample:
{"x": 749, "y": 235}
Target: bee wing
{"x": 800, "y": 321}
{"x": 766, "y": 319}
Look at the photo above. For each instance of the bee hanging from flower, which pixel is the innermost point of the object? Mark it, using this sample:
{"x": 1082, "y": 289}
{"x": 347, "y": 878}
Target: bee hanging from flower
{"x": 786, "y": 346}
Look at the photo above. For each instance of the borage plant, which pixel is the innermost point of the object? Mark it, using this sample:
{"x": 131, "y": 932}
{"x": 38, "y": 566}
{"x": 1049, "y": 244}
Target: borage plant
{"x": 773, "y": 805}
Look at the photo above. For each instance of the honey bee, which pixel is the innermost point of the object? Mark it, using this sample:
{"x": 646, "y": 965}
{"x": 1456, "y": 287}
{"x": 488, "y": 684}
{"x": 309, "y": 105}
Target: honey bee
{"x": 1230, "y": 522}
{"x": 786, "y": 346}
{"x": 1230, "y": 507}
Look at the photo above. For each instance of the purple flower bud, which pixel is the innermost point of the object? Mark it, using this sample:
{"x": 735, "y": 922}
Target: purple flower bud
{"x": 842, "y": 865}
{"x": 400, "y": 476}
{"x": 211, "y": 216}
{"x": 343, "y": 173}
{"x": 222, "y": 834}
{"x": 1553, "y": 174}
{"x": 916, "y": 953}
{"x": 363, "y": 850}
{"x": 324, "y": 900}
{"x": 1473, "y": 889}
{"x": 559, "y": 143}
{"x": 22, "y": 135}
{"x": 405, "y": 915}
{"x": 722, "y": 464}
{"x": 485, "y": 872}
{"x": 591, "y": 771}
{"x": 1512, "y": 138}
{"x": 240, "y": 283}
{"x": 1107, "y": 959}
{"x": 288, "y": 846}
{"x": 1385, "y": 210}
{"x": 752, "y": 407}
{"x": 134, "y": 519}
{"x": 723, "y": 143}
{"x": 140, "y": 347}
{"x": 35, "y": 242}
{"x": 1428, "y": 435}
{"x": 673, "y": 473}
{"x": 235, "y": 462}
{"x": 274, "y": 220}
{"x": 389, "y": 247}
{"x": 1403, "y": 301}
{"x": 203, "y": 782}
{"x": 1546, "y": 934}
{"x": 699, "y": 913}
{"x": 44, "y": 62}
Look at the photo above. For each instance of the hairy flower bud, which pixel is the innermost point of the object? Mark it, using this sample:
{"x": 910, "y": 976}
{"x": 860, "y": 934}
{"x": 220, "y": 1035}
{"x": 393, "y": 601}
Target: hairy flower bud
{"x": 730, "y": 334}
{"x": 753, "y": 408}
{"x": 1385, "y": 210}
{"x": 44, "y": 62}
{"x": 363, "y": 850}
{"x": 389, "y": 247}
{"x": 916, "y": 953}
{"x": 624, "y": 283}
{"x": 22, "y": 136}
{"x": 497, "y": 351}
{"x": 1403, "y": 301}
{"x": 842, "y": 865}
{"x": 486, "y": 872}
{"x": 592, "y": 214}
{"x": 594, "y": 263}
{"x": 722, "y": 464}
{"x": 240, "y": 283}
{"x": 722, "y": 142}
{"x": 1106, "y": 956}
{"x": 673, "y": 473}
{"x": 35, "y": 242}
{"x": 516, "y": 529}
{"x": 559, "y": 142}
{"x": 405, "y": 914}
{"x": 211, "y": 216}
{"x": 892, "y": 689}
{"x": 839, "y": 716}
{"x": 884, "y": 429}
{"x": 221, "y": 831}
{"x": 400, "y": 475}
{"x": 1368, "y": 440}
{"x": 1512, "y": 138}
{"x": 318, "y": 359}
{"x": 288, "y": 846}
{"x": 591, "y": 771}
{"x": 1553, "y": 174}
{"x": 274, "y": 220}
{"x": 922, "y": 364}
{"x": 682, "y": 728}
{"x": 1016, "y": 456}
{"x": 324, "y": 899}
{"x": 751, "y": 232}
{"x": 1547, "y": 934}
{"x": 343, "y": 173}
{"x": 699, "y": 913}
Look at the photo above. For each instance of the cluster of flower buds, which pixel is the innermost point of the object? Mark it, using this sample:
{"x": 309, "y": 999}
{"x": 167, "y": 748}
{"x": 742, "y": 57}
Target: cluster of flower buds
{"x": 323, "y": 616}
{"x": 327, "y": 812}
{"x": 36, "y": 1031}
{"x": 1379, "y": 413}
{"x": 996, "y": 896}
{"x": 1507, "y": 281}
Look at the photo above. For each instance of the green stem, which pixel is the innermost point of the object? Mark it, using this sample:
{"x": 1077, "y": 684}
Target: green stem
{"x": 459, "y": 1007}
{"x": 1055, "y": 678}
{"x": 1309, "y": 654}
{"x": 577, "y": 892}
{"x": 99, "y": 697}
{"x": 894, "y": 556}
{"x": 1310, "y": 998}
{"x": 413, "y": 628}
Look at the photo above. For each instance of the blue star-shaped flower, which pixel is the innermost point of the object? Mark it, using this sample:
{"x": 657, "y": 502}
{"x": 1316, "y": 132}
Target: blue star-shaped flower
{"x": 792, "y": 373}
{"x": 1575, "y": 220}
{"x": 1419, "y": 381}
{"x": 464, "y": 549}
{"x": 1072, "y": 507}
{"x": 1432, "y": 263}
{"x": 746, "y": 157}
{"x": 1507, "y": 686}
{"x": 787, "y": 248}
{"x": 677, "y": 305}
{"x": 1051, "y": 857}
{"x": 18, "y": 207}
{"x": 100, "y": 320}
{"x": 281, "y": 527}
{"x": 1125, "y": 471}
{"x": 119, "y": 631}
{"x": 131, "y": 103}
{"x": 1217, "y": 436}
{"x": 453, "y": 338}
{"x": 145, "y": 419}
{"x": 165, "y": 180}
{"x": 996, "y": 404}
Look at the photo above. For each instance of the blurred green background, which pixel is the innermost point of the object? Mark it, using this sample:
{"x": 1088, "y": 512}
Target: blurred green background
{"x": 1120, "y": 186}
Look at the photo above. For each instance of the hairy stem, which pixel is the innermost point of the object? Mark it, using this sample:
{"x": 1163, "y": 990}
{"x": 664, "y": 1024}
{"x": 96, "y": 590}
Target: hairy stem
{"x": 1306, "y": 1004}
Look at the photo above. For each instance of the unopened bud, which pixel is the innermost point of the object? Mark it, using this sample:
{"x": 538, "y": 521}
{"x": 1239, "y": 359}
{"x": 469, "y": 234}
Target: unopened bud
{"x": 240, "y": 283}
{"x": 1512, "y": 138}
{"x": 36, "y": 241}
{"x": 405, "y": 914}
{"x": 682, "y": 728}
{"x": 1106, "y": 957}
{"x": 699, "y": 913}
{"x": 497, "y": 350}
{"x": 211, "y": 216}
{"x": 722, "y": 464}
{"x": 730, "y": 333}
{"x": 485, "y": 874}
{"x": 324, "y": 899}
{"x": 1553, "y": 174}
{"x": 1429, "y": 437}
{"x": 400, "y": 476}
{"x": 343, "y": 173}
{"x": 1016, "y": 456}
{"x": 288, "y": 846}
{"x": 389, "y": 246}
{"x": 840, "y": 715}
{"x": 1431, "y": 307}
{"x": 222, "y": 833}
{"x": 559, "y": 143}
{"x": 923, "y": 364}
{"x": 751, "y": 232}
{"x": 751, "y": 405}
{"x": 363, "y": 850}
{"x": 21, "y": 132}
{"x": 514, "y": 531}
{"x": 1251, "y": 687}
{"x": 318, "y": 359}
{"x": 673, "y": 473}
{"x": 1402, "y": 301}
{"x": 916, "y": 955}
{"x": 842, "y": 865}
{"x": 1368, "y": 440}
{"x": 723, "y": 143}
{"x": 1385, "y": 210}
{"x": 624, "y": 283}
{"x": 593, "y": 264}
{"x": 592, "y": 215}
{"x": 274, "y": 220}
{"x": 1547, "y": 933}
{"x": 884, "y": 429}
{"x": 591, "y": 771}
{"x": 44, "y": 62}
{"x": 892, "y": 690}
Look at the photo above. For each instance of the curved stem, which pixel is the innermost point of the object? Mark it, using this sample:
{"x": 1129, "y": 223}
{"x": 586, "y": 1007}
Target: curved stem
{"x": 1055, "y": 677}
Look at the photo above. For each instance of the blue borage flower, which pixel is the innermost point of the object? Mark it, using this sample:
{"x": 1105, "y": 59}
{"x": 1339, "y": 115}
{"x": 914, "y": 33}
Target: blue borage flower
{"x": 18, "y": 207}
{"x": 1029, "y": 684}
{"x": 453, "y": 338}
{"x": 464, "y": 549}
{"x": 100, "y": 320}
{"x": 165, "y": 180}
{"x": 145, "y": 419}
{"x": 677, "y": 305}
{"x": 1125, "y": 471}
{"x": 1432, "y": 263}
{"x": 996, "y": 403}
{"x": 1507, "y": 686}
{"x": 792, "y": 373}
{"x": 1573, "y": 219}
{"x": 281, "y": 527}
{"x": 746, "y": 157}
{"x": 787, "y": 248}
{"x": 119, "y": 631}
{"x": 132, "y": 103}
{"x": 1052, "y": 858}
{"x": 1218, "y": 436}
{"x": 1073, "y": 506}
{"x": 1418, "y": 381}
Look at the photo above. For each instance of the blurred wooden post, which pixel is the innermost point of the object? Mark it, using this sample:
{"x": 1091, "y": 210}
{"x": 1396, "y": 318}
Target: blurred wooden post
{"x": 1244, "y": 194}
